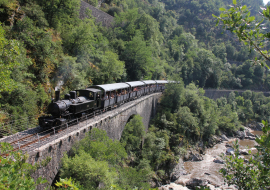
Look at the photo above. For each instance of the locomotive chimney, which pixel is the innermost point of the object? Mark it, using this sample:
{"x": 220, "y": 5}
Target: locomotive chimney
{"x": 72, "y": 94}
{"x": 57, "y": 95}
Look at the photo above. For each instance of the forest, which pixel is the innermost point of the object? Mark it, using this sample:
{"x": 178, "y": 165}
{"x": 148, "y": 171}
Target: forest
{"x": 44, "y": 45}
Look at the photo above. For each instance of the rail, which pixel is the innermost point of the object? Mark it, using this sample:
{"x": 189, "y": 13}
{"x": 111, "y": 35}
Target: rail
{"x": 32, "y": 139}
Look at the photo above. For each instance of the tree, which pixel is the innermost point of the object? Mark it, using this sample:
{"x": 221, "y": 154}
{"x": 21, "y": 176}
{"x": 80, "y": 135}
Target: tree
{"x": 237, "y": 19}
{"x": 138, "y": 58}
{"x": 86, "y": 170}
{"x": 133, "y": 134}
{"x": 100, "y": 147}
{"x": 67, "y": 184}
{"x": 9, "y": 51}
{"x": 15, "y": 171}
{"x": 255, "y": 173}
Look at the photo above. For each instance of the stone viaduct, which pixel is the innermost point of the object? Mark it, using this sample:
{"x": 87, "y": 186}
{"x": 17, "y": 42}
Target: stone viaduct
{"x": 215, "y": 94}
{"x": 112, "y": 121}
{"x": 101, "y": 17}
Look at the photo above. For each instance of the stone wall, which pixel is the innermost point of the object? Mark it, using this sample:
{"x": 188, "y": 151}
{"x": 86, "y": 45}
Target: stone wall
{"x": 215, "y": 94}
{"x": 100, "y": 16}
{"x": 112, "y": 121}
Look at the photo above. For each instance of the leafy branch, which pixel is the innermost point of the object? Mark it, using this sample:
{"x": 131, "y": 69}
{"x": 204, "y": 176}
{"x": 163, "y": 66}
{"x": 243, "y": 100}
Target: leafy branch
{"x": 237, "y": 19}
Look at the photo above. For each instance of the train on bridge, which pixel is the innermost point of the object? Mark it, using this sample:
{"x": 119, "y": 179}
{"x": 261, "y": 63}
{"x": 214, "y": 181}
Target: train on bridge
{"x": 97, "y": 98}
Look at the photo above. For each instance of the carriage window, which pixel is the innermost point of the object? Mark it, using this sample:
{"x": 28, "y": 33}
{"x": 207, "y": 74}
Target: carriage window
{"x": 78, "y": 93}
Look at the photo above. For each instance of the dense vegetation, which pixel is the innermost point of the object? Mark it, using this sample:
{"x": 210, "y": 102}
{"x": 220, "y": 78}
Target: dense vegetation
{"x": 185, "y": 118}
{"x": 253, "y": 174}
{"x": 15, "y": 171}
{"x": 44, "y": 43}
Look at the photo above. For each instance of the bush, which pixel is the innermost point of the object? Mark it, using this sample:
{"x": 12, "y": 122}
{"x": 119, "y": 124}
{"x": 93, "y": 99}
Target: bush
{"x": 15, "y": 171}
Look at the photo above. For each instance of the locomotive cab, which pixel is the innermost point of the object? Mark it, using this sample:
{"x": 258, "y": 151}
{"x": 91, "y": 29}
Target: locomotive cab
{"x": 88, "y": 100}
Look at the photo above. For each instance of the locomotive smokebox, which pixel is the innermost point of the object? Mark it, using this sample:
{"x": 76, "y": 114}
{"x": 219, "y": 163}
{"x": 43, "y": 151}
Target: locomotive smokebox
{"x": 57, "y": 95}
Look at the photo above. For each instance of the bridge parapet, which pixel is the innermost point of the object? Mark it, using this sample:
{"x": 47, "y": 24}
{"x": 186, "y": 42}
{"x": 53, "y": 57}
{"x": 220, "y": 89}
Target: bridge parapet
{"x": 215, "y": 94}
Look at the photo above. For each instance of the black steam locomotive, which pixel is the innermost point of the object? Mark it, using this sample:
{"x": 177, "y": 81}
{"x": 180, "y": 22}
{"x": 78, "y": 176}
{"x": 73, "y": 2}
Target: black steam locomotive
{"x": 96, "y": 98}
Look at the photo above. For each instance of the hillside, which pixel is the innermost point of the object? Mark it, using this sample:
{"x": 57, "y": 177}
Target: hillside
{"x": 45, "y": 43}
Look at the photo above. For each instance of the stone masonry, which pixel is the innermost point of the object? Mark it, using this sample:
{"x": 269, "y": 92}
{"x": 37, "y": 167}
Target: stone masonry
{"x": 215, "y": 94}
{"x": 112, "y": 121}
{"x": 100, "y": 16}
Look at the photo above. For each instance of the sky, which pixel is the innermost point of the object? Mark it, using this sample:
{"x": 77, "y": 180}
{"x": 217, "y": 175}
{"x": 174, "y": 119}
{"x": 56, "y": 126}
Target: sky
{"x": 265, "y": 1}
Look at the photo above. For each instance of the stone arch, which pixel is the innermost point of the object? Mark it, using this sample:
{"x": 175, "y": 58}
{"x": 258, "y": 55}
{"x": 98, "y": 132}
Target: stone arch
{"x": 131, "y": 117}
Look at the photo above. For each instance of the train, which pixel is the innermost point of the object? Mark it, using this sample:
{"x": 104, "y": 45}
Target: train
{"x": 96, "y": 98}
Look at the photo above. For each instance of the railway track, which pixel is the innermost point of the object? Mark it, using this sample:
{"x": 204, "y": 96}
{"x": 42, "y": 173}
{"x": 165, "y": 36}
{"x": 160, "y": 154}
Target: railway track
{"x": 32, "y": 139}
{"x": 24, "y": 141}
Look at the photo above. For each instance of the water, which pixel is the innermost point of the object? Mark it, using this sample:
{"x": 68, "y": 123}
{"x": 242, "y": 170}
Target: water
{"x": 198, "y": 169}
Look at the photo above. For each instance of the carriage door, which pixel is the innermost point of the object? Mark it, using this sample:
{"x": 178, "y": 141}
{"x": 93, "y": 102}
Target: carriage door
{"x": 98, "y": 99}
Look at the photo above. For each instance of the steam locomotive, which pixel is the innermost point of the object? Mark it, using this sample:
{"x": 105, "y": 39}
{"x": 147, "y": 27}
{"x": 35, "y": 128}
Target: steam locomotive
{"x": 96, "y": 98}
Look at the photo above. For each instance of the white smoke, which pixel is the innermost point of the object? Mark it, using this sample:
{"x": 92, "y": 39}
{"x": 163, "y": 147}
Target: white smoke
{"x": 59, "y": 85}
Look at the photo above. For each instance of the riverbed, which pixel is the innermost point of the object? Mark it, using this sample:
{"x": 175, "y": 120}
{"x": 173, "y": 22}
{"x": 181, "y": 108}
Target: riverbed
{"x": 207, "y": 168}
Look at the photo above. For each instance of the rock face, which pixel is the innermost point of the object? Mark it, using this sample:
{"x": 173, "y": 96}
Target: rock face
{"x": 213, "y": 141}
{"x": 224, "y": 138}
{"x": 193, "y": 156}
{"x": 178, "y": 170}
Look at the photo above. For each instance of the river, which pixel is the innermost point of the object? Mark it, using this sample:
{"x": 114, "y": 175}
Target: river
{"x": 207, "y": 169}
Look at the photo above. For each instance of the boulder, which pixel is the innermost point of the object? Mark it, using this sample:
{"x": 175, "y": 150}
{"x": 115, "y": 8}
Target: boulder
{"x": 182, "y": 181}
{"x": 228, "y": 145}
{"x": 218, "y": 161}
{"x": 197, "y": 157}
{"x": 242, "y": 157}
{"x": 251, "y": 138}
{"x": 213, "y": 140}
{"x": 173, "y": 186}
{"x": 194, "y": 182}
{"x": 224, "y": 138}
{"x": 193, "y": 156}
{"x": 212, "y": 187}
{"x": 163, "y": 188}
{"x": 248, "y": 133}
{"x": 259, "y": 126}
{"x": 244, "y": 152}
{"x": 241, "y": 134}
{"x": 230, "y": 151}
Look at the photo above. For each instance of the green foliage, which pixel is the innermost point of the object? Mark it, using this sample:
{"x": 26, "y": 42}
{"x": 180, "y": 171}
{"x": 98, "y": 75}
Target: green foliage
{"x": 8, "y": 61}
{"x": 15, "y": 171}
{"x": 100, "y": 147}
{"x": 138, "y": 58}
{"x": 97, "y": 161}
{"x": 67, "y": 184}
{"x": 89, "y": 172}
{"x": 133, "y": 134}
{"x": 237, "y": 19}
{"x": 253, "y": 174}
